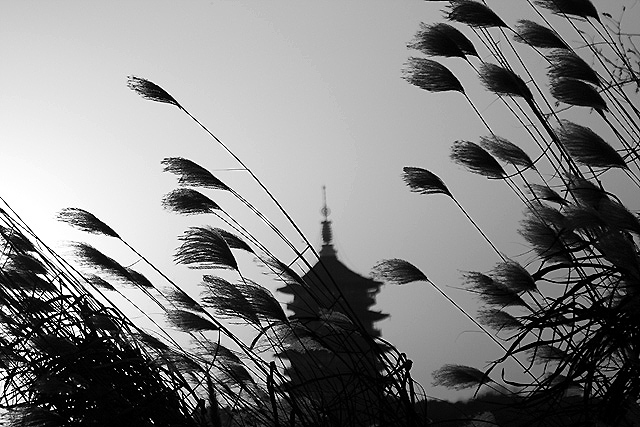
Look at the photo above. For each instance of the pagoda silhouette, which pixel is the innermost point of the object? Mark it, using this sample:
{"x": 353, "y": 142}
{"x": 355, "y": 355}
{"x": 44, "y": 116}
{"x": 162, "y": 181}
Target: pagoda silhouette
{"x": 338, "y": 367}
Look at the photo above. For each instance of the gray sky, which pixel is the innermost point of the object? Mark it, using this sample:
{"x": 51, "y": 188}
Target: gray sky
{"x": 306, "y": 93}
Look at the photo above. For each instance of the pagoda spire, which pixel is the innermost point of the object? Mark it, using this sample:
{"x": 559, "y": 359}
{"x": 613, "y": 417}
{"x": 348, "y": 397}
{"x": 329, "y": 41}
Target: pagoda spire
{"x": 342, "y": 374}
{"x": 327, "y": 234}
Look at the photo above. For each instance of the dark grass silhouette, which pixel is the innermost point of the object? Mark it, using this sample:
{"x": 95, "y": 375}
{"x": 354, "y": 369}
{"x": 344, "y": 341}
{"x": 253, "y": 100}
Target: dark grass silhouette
{"x": 68, "y": 356}
{"x": 71, "y": 357}
{"x": 566, "y": 311}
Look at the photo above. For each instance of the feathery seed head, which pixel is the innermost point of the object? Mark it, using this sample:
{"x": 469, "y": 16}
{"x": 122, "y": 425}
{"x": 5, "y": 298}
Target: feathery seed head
{"x": 543, "y": 192}
{"x": 582, "y": 8}
{"x": 220, "y": 354}
{"x": 587, "y": 148}
{"x": 25, "y": 280}
{"x": 617, "y": 216}
{"x": 442, "y": 39}
{"x": 203, "y": 248}
{"x": 151, "y": 91}
{"x": 503, "y": 82}
{"x": 190, "y": 173}
{"x": 336, "y": 320}
{"x": 506, "y": 151}
{"x": 491, "y": 291}
{"x": 24, "y": 263}
{"x": 619, "y": 249}
{"x": 546, "y": 353}
{"x": 262, "y": 301}
{"x": 430, "y": 76}
{"x": 188, "y": 201}
{"x": 227, "y": 299}
{"x": 92, "y": 257}
{"x": 138, "y": 278}
{"x": 397, "y": 271}
{"x": 536, "y": 35}
{"x": 232, "y": 240}
{"x": 459, "y": 377}
{"x": 474, "y": 14}
{"x": 582, "y": 218}
{"x": 304, "y": 344}
{"x": 423, "y": 181}
{"x": 151, "y": 342}
{"x": 585, "y": 192}
{"x": 513, "y": 276}
{"x": 606, "y": 213}
{"x": 476, "y": 159}
{"x": 182, "y": 300}
{"x": 498, "y": 319}
{"x": 577, "y": 92}
{"x": 565, "y": 63}
{"x": 16, "y": 239}
{"x": 284, "y": 272}
{"x": 190, "y": 322}
{"x": 104, "y": 322}
{"x": 548, "y": 243}
{"x": 99, "y": 282}
{"x": 234, "y": 373}
{"x": 85, "y": 221}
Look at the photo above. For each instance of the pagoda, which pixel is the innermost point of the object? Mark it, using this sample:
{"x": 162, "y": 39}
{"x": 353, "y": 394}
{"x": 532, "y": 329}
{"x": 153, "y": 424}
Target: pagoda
{"x": 338, "y": 366}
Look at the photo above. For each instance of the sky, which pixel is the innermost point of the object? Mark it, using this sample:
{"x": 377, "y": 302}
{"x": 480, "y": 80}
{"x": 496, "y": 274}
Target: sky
{"x": 307, "y": 94}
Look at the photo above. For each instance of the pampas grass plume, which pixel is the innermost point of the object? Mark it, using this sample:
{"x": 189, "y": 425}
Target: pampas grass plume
{"x": 506, "y": 151}
{"x": 423, "y": 181}
{"x": 567, "y": 64}
{"x": 491, "y": 291}
{"x": 474, "y": 14}
{"x": 476, "y": 159}
{"x": 459, "y": 377}
{"x": 398, "y": 271}
{"x": 587, "y": 147}
{"x": 582, "y": 8}
{"x": 191, "y": 174}
{"x": 498, "y": 319}
{"x": 204, "y": 247}
{"x": 543, "y": 192}
{"x": 577, "y": 92}
{"x": 442, "y": 39}
{"x": 513, "y": 276}
{"x": 537, "y": 35}
{"x": 151, "y": 91}
{"x": 503, "y": 81}
{"x": 85, "y": 221}
{"x": 431, "y": 76}
{"x": 188, "y": 201}
{"x": 188, "y": 321}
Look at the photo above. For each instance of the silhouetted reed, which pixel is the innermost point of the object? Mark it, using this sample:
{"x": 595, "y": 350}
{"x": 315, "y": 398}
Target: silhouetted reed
{"x": 190, "y": 358}
{"x": 68, "y": 355}
{"x": 584, "y": 240}
{"x": 567, "y": 315}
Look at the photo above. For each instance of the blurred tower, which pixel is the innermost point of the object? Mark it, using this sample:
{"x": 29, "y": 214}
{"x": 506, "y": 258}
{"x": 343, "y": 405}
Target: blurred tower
{"x": 337, "y": 367}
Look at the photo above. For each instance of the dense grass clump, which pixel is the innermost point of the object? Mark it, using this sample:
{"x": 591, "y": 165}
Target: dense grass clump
{"x": 566, "y": 310}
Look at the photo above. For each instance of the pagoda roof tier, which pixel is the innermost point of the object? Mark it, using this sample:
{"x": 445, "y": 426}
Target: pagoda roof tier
{"x": 329, "y": 270}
